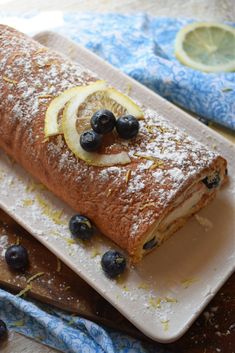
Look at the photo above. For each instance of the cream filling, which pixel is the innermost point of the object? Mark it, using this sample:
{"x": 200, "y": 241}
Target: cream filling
{"x": 181, "y": 211}
{"x": 184, "y": 209}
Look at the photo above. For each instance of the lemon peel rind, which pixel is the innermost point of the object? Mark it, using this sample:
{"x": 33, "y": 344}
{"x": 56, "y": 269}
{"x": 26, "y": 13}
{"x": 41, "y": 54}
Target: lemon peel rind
{"x": 51, "y": 127}
{"x": 131, "y": 107}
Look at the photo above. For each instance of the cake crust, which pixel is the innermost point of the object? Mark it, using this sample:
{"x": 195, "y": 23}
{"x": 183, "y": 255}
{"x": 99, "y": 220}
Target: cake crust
{"x": 125, "y": 202}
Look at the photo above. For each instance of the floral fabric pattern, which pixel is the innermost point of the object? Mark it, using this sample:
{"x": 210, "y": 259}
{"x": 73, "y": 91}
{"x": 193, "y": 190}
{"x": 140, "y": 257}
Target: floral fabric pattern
{"x": 143, "y": 47}
{"x": 65, "y": 332}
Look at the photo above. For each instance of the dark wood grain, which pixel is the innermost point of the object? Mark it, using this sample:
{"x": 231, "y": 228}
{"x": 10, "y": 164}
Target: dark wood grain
{"x": 213, "y": 331}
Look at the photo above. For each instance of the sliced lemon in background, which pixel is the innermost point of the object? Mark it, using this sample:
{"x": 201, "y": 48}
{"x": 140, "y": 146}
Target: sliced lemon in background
{"x": 76, "y": 119}
{"x": 52, "y": 126}
{"x": 206, "y": 46}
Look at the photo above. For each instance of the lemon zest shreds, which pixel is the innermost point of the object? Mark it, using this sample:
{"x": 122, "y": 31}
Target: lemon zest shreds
{"x": 28, "y": 202}
{"x": 95, "y": 252}
{"x": 109, "y": 192}
{"x": 156, "y": 164}
{"x": 9, "y": 80}
{"x": 32, "y": 278}
{"x": 155, "y": 302}
{"x": 17, "y": 240}
{"x": 165, "y": 324}
{"x": 143, "y": 286}
{"x": 70, "y": 241}
{"x": 162, "y": 129}
{"x": 32, "y": 186}
{"x": 150, "y": 129}
{"x": 24, "y": 291}
{"x": 149, "y": 204}
{"x": 54, "y": 215}
{"x": 188, "y": 282}
{"x": 171, "y": 300}
{"x": 58, "y": 267}
{"x": 128, "y": 176}
{"x": 45, "y": 96}
{"x": 128, "y": 88}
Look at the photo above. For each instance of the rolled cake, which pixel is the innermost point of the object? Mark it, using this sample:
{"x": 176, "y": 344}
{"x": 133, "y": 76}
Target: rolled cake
{"x": 138, "y": 205}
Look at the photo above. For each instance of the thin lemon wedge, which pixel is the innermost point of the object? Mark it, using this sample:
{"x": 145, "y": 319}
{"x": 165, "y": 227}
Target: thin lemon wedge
{"x": 206, "y": 46}
{"x": 76, "y": 119}
{"x": 52, "y": 126}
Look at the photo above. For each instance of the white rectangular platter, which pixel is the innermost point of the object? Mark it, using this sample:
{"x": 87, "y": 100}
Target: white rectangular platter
{"x": 164, "y": 294}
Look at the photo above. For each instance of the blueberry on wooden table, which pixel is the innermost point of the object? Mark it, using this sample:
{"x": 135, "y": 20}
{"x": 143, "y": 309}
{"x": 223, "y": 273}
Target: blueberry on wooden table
{"x": 81, "y": 227}
{"x": 113, "y": 263}
{"x": 127, "y": 127}
{"x": 16, "y": 257}
{"x": 3, "y": 330}
{"x": 103, "y": 121}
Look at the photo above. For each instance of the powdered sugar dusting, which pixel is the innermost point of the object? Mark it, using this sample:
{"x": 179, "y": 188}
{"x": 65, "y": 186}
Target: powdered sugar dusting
{"x": 164, "y": 160}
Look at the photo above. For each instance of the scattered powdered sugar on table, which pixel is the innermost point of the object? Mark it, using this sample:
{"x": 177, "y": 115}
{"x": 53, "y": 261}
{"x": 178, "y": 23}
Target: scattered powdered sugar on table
{"x": 204, "y": 222}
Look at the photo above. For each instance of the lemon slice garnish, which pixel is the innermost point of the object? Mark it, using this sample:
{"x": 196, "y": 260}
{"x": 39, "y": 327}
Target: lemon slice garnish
{"x": 73, "y": 125}
{"x": 125, "y": 102}
{"x": 78, "y": 105}
{"x": 206, "y": 46}
{"x": 52, "y": 126}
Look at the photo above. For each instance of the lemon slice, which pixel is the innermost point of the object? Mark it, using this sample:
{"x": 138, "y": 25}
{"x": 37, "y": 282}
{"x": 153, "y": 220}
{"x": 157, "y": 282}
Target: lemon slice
{"x": 52, "y": 126}
{"x": 206, "y": 46}
{"x": 125, "y": 102}
{"x": 76, "y": 119}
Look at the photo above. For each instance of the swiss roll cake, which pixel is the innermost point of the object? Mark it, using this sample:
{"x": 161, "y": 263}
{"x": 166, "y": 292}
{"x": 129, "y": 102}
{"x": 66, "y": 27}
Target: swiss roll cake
{"x": 137, "y": 177}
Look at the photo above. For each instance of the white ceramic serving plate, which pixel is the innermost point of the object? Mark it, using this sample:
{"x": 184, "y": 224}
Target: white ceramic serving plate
{"x": 165, "y": 293}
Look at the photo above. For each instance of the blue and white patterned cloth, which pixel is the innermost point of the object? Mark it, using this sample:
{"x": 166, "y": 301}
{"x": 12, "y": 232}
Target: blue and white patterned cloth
{"x": 70, "y": 334}
{"x": 142, "y": 47}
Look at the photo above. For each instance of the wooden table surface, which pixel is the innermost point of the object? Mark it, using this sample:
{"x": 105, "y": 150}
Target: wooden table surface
{"x": 214, "y": 331}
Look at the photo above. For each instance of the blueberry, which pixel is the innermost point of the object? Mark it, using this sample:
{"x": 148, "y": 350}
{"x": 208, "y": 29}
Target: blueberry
{"x": 17, "y": 257}
{"x": 81, "y": 227}
{"x": 113, "y": 263}
{"x": 127, "y": 126}
{"x": 150, "y": 244}
{"x": 103, "y": 121}
{"x": 3, "y": 330}
{"x": 212, "y": 181}
{"x": 90, "y": 141}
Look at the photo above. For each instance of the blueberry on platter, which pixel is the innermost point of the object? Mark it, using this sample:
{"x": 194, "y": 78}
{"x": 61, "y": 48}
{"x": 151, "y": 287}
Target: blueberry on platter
{"x": 113, "y": 263}
{"x": 16, "y": 257}
{"x": 90, "y": 141}
{"x": 103, "y": 121}
{"x": 81, "y": 227}
{"x": 127, "y": 127}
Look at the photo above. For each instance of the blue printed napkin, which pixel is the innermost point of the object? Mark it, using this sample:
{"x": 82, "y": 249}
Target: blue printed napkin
{"x": 70, "y": 334}
{"x": 142, "y": 47}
